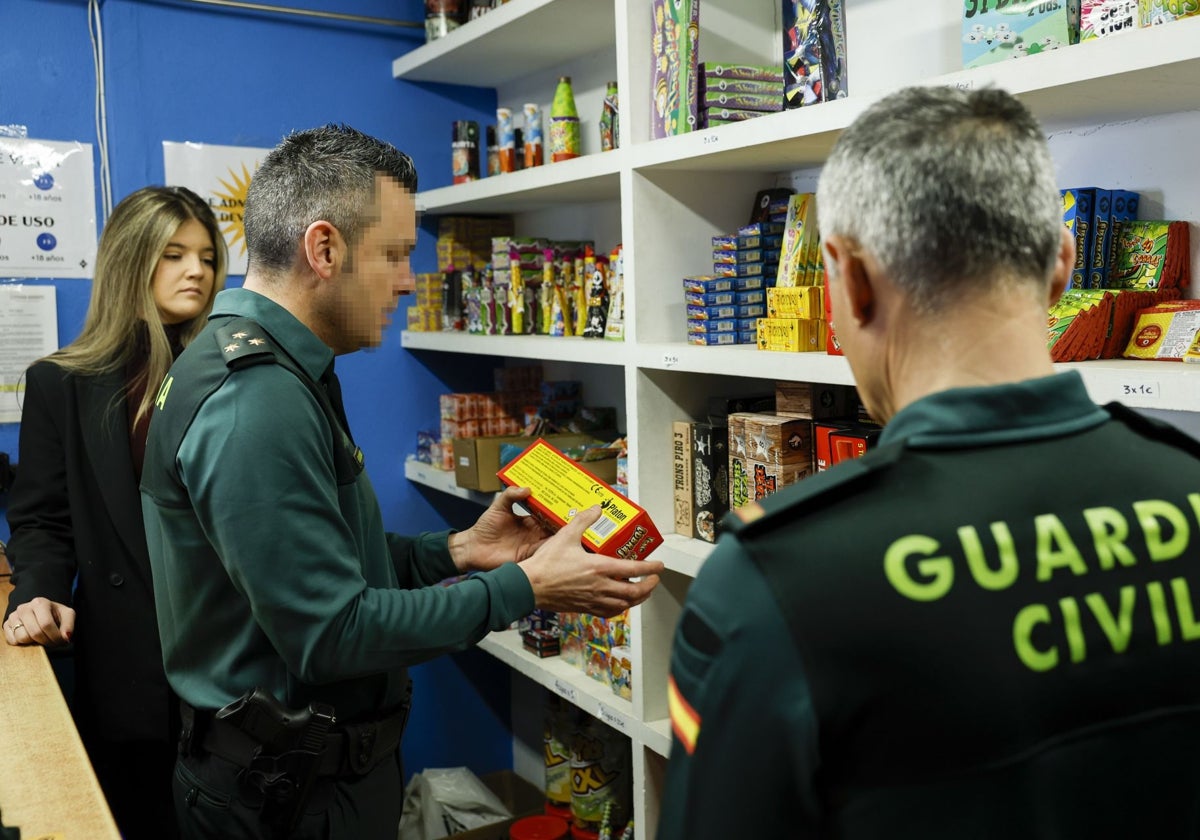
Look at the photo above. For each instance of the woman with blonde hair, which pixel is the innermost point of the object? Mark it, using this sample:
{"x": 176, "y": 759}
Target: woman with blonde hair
{"x": 81, "y": 573}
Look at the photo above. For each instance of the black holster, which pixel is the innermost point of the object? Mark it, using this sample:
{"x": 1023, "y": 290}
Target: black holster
{"x": 280, "y": 755}
{"x": 282, "y": 751}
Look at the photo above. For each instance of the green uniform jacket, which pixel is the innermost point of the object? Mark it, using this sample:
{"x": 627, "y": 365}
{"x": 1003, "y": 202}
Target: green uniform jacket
{"x": 268, "y": 573}
{"x": 985, "y": 628}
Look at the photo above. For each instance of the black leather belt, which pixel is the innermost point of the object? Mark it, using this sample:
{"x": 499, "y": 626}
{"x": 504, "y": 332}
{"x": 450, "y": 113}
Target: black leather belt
{"x": 349, "y": 750}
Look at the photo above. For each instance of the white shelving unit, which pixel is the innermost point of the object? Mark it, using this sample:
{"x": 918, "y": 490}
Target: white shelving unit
{"x": 1120, "y": 112}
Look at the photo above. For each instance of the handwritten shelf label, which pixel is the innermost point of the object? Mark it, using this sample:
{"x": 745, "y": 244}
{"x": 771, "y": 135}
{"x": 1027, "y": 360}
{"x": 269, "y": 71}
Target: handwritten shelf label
{"x": 613, "y": 719}
{"x": 566, "y": 690}
{"x": 1140, "y": 389}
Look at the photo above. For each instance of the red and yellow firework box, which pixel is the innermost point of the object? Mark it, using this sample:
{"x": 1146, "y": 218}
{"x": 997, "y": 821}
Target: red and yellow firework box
{"x": 562, "y": 487}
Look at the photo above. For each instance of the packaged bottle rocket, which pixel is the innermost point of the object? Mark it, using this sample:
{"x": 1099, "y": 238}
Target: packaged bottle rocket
{"x": 464, "y": 151}
{"x": 533, "y": 134}
{"x": 516, "y": 293}
{"x": 597, "y": 298}
{"x": 609, "y": 125}
{"x": 564, "y": 123}
{"x": 614, "y": 327}
{"x": 506, "y": 140}
{"x": 579, "y": 289}
{"x": 493, "y": 152}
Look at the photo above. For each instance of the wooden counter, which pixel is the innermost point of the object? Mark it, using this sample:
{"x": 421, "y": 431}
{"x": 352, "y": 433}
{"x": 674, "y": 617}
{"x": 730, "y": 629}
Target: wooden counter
{"x": 47, "y": 787}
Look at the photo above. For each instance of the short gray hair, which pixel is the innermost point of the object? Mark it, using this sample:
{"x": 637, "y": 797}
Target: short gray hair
{"x": 951, "y": 190}
{"x": 325, "y": 173}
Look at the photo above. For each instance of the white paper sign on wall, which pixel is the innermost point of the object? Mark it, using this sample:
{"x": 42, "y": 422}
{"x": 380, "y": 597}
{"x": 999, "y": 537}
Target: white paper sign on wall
{"x": 220, "y": 175}
{"x": 47, "y": 208}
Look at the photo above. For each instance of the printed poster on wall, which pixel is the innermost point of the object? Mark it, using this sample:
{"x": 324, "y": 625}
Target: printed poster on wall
{"x": 220, "y": 175}
{"x": 28, "y": 331}
{"x": 47, "y": 208}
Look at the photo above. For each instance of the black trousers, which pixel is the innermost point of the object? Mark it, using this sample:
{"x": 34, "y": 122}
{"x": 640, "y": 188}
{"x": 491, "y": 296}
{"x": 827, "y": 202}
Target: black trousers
{"x": 209, "y": 805}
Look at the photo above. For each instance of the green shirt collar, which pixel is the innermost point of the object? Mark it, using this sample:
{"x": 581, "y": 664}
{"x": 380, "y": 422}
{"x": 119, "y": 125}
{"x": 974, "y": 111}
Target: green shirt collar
{"x": 1036, "y": 408}
{"x": 308, "y": 351}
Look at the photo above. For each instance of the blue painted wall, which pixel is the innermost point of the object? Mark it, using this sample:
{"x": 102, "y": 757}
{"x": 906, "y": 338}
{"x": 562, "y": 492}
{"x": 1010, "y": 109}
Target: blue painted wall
{"x": 181, "y": 71}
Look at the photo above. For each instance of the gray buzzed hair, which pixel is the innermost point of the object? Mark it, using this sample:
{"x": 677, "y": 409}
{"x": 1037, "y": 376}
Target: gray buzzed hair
{"x": 951, "y": 190}
{"x": 325, "y": 173}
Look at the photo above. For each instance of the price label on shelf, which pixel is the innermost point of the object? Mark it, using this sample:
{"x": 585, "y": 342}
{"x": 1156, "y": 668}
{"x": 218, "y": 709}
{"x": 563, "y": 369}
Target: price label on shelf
{"x": 711, "y": 138}
{"x": 670, "y": 360}
{"x": 1144, "y": 390}
{"x": 566, "y": 690}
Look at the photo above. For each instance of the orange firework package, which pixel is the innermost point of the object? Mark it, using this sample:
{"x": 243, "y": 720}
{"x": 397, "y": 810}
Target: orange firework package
{"x": 561, "y": 488}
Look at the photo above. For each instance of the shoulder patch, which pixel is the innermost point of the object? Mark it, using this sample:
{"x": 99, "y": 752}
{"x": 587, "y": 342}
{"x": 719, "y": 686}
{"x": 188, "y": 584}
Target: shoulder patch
{"x": 784, "y": 506}
{"x": 243, "y": 342}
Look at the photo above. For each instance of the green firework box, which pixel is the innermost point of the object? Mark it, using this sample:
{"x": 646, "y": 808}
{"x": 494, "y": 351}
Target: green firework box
{"x": 997, "y": 30}
{"x": 674, "y": 40}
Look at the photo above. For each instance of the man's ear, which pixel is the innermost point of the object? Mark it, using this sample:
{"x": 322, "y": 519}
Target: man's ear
{"x": 1064, "y": 264}
{"x": 324, "y": 249}
{"x": 848, "y": 268}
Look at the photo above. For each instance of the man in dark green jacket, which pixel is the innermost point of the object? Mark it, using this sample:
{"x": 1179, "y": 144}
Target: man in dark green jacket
{"x": 272, "y": 569}
{"x": 985, "y": 628}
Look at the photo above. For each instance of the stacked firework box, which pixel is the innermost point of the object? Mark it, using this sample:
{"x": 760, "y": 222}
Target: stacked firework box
{"x": 814, "y": 51}
{"x": 674, "y": 42}
{"x": 736, "y": 92}
{"x": 1128, "y": 277}
{"x": 1101, "y": 18}
{"x": 996, "y": 33}
{"x": 795, "y": 320}
{"x": 724, "y": 307}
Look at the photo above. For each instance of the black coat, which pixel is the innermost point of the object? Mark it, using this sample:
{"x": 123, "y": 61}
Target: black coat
{"x": 75, "y": 510}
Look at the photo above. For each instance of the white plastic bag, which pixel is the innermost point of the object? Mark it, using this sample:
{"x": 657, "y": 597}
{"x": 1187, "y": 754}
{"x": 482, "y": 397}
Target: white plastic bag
{"x": 443, "y": 801}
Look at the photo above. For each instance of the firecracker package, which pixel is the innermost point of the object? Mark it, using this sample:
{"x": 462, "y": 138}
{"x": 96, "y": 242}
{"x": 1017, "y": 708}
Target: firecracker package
{"x": 1112, "y": 208}
{"x": 1165, "y": 332}
{"x": 725, "y": 70}
{"x": 997, "y": 32}
{"x": 1155, "y": 12}
{"x": 720, "y": 99}
{"x": 710, "y": 478}
{"x": 814, "y": 52}
{"x": 681, "y": 473}
{"x": 759, "y": 87}
{"x": 767, "y": 452}
{"x": 1151, "y": 254}
{"x": 795, "y": 302}
{"x": 812, "y": 400}
{"x": 1101, "y": 18}
{"x": 1078, "y": 205}
{"x": 562, "y": 487}
{"x": 674, "y": 41}
{"x": 792, "y": 335}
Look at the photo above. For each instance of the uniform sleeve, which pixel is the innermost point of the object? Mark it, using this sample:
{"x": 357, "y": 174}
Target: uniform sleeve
{"x": 42, "y": 545}
{"x": 743, "y": 747}
{"x": 422, "y": 560}
{"x": 257, "y": 463}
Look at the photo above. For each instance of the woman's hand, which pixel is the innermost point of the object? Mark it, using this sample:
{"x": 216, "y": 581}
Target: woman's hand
{"x": 40, "y": 622}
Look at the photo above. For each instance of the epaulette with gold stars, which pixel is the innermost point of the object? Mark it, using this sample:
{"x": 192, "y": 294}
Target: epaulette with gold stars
{"x": 811, "y": 494}
{"x": 243, "y": 343}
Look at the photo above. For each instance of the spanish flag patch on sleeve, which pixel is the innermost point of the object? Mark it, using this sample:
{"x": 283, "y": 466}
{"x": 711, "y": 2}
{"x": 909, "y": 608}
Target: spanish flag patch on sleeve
{"x": 684, "y": 720}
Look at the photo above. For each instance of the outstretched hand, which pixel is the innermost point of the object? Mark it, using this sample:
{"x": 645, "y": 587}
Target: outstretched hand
{"x": 566, "y": 577}
{"x": 499, "y": 536}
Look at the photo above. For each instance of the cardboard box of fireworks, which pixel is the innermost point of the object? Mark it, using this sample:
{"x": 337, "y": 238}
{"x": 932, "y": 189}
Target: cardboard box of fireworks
{"x": 477, "y": 460}
{"x": 562, "y": 487}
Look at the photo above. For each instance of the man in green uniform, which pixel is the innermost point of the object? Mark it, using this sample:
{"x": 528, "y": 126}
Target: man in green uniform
{"x": 288, "y": 616}
{"x": 985, "y": 628}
